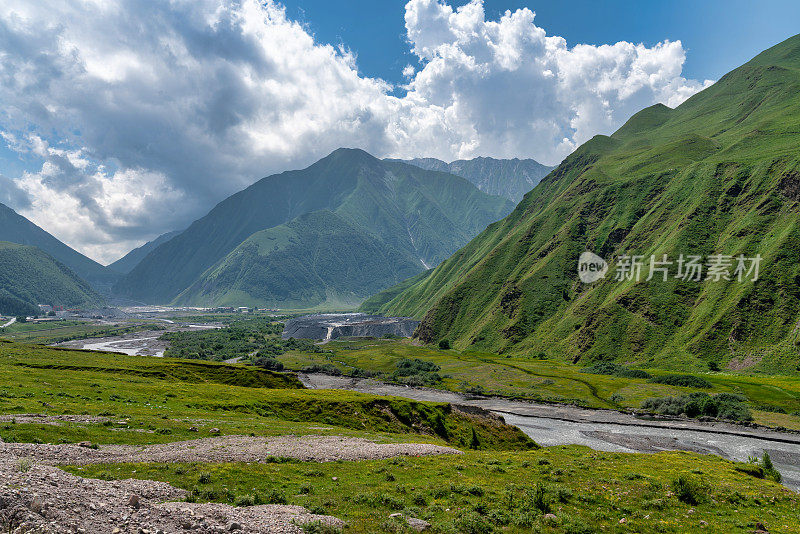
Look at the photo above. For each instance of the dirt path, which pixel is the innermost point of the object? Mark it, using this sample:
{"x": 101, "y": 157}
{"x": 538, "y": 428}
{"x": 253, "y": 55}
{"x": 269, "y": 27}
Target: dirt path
{"x": 226, "y": 449}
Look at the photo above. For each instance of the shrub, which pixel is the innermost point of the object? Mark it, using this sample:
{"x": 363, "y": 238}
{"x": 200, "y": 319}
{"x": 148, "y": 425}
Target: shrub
{"x": 765, "y": 467}
{"x": 686, "y": 381}
{"x": 24, "y": 465}
{"x": 318, "y": 527}
{"x": 689, "y": 490}
{"x": 271, "y": 364}
{"x": 614, "y": 369}
{"x": 327, "y": 368}
{"x": 444, "y": 344}
{"x": 723, "y": 406}
{"x": 275, "y": 496}
{"x": 204, "y": 478}
{"x": 245, "y": 500}
{"x": 417, "y": 372}
{"x": 473, "y": 523}
{"x": 538, "y": 499}
{"x": 474, "y": 442}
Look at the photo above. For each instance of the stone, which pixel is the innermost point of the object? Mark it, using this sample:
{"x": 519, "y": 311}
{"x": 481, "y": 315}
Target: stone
{"x": 193, "y": 429}
{"x": 85, "y": 444}
{"x": 37, "y": 505}
{"x": 214, "y": 431}
{"x": 234, "y": 526}
{"x": 133, "y": 502}
{"x": 420, "y": 525}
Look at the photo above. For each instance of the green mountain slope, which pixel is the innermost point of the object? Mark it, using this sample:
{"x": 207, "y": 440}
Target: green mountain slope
{"x": 29, "y": 277}
{"x": 316, "y": 259}
{"x": 130, "y": 260}
{"x": 719, "y": 174}
{"x": 15, "y": 228}
{"x": 509, "y": 178}
{"x": 422, "y": 214}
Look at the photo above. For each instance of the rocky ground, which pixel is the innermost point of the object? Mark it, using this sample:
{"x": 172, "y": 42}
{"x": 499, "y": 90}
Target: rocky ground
{"x": 36, "y": 496}
{"x": 224, "y": 449}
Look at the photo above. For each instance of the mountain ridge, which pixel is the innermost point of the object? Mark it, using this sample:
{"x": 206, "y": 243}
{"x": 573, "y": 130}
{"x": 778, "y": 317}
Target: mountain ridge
{"x": 509, "y": 178}
{"x": 30, "y": 276}
{"x": 719, "y": 174}
{"x": 15, "y": 228}
{"x": 421, "y": 214}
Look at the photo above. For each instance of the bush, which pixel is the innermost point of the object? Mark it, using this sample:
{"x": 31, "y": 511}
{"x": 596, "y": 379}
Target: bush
{"x": 444, "y": 344}
{"x": 539, "y": 500}
{"x": 614, "y": 369}
{"x": 686, "y": 381}
{"x": 722, "y": 406}
{"x": 245, "y": 500}
{"x": 689, "y": 490}
{"x": 270, "y": 364}
{"x": 473, "y": 523}
{"x": 765, "y": 466}
{"x": 417, "y": 372}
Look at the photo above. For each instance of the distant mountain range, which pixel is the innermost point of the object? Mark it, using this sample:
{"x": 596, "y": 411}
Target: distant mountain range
{"x": 509, "y": 178}
{"x": 29, "y": 276}
{"x": 718, "y": 176}
{"x": 330, "y": 234}
{"x": 125, "y": 264}
{"x": 15, "y": 228}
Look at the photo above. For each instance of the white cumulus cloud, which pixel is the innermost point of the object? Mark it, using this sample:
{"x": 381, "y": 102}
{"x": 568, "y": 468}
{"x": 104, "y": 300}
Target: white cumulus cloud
{"x": 143, "y": 115}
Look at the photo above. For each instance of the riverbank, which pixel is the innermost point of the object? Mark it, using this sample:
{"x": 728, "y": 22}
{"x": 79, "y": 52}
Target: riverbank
{"x": 604, "y": 430}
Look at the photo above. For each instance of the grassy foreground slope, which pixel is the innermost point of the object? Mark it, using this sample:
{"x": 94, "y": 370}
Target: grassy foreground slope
{"x": 160, "y": 400}
{"x": 719, "y": 174}
{"x": 29, "y": 277}
{"x": 484, "y": 492}
{"x": 506, "y": 486}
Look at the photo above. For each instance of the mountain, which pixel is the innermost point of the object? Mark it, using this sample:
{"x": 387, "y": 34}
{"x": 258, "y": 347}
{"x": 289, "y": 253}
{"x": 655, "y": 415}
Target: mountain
{"x": 130, "y": 260}
{"x": 15, "y": 228}
{"x": 718, "y": 175}
{"x": 29, "y": 277}
{"x": 509, "y": 178}
{"x": 316, "y": 258}
{"x": 418, "y": 217}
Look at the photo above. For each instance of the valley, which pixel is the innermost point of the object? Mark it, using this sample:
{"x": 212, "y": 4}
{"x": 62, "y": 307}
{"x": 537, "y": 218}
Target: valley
{"x": 394, "y": 342}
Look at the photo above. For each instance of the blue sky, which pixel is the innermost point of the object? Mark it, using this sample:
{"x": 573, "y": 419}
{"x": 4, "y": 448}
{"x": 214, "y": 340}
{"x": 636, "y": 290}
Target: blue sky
{"x": 718, "y": 35}
{"x": 138, "y": 118}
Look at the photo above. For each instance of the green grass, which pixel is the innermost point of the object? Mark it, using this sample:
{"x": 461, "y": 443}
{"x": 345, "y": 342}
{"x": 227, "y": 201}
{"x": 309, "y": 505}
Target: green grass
{"x": 59, "y": 331}
{"x": 719, "y": 174}
{"x": 506, "y": 485}
{"x": 587, "y": 491}
{"x": 528, "y": 377}
{"x": 168, "y": 394}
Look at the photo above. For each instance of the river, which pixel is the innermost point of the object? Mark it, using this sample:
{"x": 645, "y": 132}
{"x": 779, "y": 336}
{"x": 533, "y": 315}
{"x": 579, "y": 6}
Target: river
{"x": 605, "y": 430}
